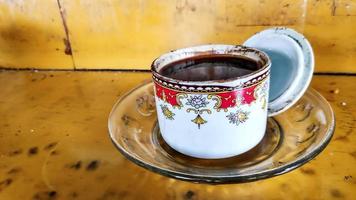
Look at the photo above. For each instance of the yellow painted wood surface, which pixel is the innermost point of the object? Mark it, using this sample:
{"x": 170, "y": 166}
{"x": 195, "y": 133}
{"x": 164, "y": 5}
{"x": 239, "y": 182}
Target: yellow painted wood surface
{"x": 129, "y": 34}
{"x": 51, "y": 133}
{"x": 32, "y": 35}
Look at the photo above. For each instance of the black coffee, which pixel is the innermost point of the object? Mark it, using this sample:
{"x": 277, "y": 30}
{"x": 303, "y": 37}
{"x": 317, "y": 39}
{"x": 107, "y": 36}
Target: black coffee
{"x": 217, "y": 67}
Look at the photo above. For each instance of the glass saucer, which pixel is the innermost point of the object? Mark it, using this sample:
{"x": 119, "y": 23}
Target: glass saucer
{"x": 292, "y": 139}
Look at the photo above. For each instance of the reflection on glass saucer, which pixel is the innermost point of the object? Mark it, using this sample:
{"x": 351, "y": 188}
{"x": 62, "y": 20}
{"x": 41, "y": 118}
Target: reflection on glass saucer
{"x": 292, "y": 139}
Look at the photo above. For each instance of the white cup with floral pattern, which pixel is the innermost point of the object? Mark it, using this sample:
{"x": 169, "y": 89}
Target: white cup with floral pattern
{"x": 212, "y": 118}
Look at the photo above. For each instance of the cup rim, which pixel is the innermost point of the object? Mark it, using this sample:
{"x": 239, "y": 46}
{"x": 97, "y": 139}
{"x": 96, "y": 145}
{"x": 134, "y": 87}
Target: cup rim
{"x": 210, "y": 49}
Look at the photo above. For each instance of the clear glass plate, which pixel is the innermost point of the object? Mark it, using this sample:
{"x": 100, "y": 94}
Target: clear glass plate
{"x": 292, "y": 139}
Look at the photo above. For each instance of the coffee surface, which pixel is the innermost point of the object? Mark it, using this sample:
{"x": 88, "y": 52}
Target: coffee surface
{"x": 217, "y": 67}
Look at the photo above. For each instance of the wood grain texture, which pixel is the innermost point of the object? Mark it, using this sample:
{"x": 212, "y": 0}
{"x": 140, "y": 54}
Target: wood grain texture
{"x": 129, "y": 34}
{"x": 32, "y": 35}
{"x": 54, "y": 144}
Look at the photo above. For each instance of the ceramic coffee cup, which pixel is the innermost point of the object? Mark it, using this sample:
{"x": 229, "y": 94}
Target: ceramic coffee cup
{"x": 212, "y": 118}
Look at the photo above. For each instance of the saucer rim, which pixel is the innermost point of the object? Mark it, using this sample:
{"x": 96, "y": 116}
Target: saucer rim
{"x": 222, "y": 179}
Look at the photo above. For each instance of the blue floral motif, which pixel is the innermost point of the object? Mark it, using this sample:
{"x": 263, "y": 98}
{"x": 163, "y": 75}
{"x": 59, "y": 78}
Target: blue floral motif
{"x": 197, "y": 101}
{"x": 238, "y": 117}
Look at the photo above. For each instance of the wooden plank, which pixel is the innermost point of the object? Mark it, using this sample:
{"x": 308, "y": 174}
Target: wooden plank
{"x": 129, "y": 34}
{"x": 32, "y": 35}
{"x": 330, "y": 34}
{"x": 68, "y": 125}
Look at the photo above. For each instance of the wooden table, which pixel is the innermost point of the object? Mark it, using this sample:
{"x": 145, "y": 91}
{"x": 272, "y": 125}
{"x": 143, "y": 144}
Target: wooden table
{"x": 54, "y": 144}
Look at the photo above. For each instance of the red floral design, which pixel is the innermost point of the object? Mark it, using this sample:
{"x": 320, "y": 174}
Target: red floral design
{"x": 228, "y": 99}
{"x": 167, "y": 95}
